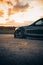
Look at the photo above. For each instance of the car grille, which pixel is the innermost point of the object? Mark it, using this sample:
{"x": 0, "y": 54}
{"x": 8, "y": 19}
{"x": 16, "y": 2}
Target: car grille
{"x": 34, "y": 31}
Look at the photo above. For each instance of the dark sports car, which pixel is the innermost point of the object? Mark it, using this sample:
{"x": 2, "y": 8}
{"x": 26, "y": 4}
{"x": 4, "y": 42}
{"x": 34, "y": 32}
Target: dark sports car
{"x": 33, "y": 30}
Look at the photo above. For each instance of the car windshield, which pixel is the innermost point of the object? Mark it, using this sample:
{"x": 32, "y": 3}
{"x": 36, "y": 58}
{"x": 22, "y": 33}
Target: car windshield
{"x": 39, "y": 22}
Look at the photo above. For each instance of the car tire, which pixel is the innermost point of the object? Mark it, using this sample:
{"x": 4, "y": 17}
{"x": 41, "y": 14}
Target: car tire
{"x": 22, "y": 33}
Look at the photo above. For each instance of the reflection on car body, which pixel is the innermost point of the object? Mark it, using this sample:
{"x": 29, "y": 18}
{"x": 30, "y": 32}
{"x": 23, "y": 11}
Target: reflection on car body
{"x": 33, "y": 30}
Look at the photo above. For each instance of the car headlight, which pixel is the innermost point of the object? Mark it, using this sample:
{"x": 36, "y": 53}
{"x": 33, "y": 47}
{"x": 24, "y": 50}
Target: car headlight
{"x": 16, "y": 28}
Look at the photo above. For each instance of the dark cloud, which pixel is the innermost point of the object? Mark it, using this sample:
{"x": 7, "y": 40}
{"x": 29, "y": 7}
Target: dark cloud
{"x": 21, "y": 7}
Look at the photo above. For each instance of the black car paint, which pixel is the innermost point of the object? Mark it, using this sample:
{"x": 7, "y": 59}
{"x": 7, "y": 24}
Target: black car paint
{"x": 31, "y": 30}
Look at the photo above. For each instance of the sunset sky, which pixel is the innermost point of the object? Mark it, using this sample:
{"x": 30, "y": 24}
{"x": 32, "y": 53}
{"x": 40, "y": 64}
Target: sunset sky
{"x": 20, "y": 12}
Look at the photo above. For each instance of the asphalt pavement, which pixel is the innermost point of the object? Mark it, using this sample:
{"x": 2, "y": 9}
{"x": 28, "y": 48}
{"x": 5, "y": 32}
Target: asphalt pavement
{"x": 15, "y": 51}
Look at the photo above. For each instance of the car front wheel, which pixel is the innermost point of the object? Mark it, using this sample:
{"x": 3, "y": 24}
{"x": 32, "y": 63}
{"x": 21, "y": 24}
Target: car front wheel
{"x": 21, "y": 34}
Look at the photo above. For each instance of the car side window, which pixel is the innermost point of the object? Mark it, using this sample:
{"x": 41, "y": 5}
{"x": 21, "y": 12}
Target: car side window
{"x": 39, "y": 22}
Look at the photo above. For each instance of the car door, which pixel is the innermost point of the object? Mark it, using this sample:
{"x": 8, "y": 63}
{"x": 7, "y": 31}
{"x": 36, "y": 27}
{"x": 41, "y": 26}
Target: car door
{"x": 36, "y": 29}
{"x": 39, "y": 28}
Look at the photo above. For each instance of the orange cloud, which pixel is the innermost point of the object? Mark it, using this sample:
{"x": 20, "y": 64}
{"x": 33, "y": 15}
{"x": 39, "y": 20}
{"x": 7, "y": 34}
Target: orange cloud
{"x": 1, "y": 13}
